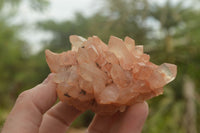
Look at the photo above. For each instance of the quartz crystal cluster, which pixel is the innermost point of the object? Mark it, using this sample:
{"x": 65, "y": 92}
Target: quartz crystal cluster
{"x": 107, "y": 78}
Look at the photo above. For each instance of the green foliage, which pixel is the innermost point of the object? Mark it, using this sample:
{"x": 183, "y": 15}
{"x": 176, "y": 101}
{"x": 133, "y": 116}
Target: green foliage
{"x": 11, "y": 57}
{"x": 39, "y": 5}
{"x": 19, "y": 70}
{"x": 169, "y": 15}
{"x": 12, "y": 2}
{"x": 83, "y": 120}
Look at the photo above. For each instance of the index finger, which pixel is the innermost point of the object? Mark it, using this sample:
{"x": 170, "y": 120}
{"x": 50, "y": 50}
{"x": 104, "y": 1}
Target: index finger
{"x": 26, "y": 115}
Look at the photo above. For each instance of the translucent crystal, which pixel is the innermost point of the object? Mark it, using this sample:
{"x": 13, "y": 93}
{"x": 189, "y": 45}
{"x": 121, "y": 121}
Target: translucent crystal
{"x": 83, "y": 56}
{"x": 92, "y": 52}
{"x": 118, "y": 47}
{"x": 139, "y": 49}
{"x": 97, "y": 43}
{"x": 168, "y": 70}
{"x": 86, "y": 85}
{"x": 130, "y": 43}
{"x": 73, "y": 77}
{"x": 77, "y": 42}
{"x": 56, "y": 61}
{"x": 119, "y": 77}
{"x": 162, "y": 75}
{"x": 110, "y": 57}
{"x": 107, "y": 79}
{"x": 110, "y": 94}
{"x": 91, "y": 73}
{"x": 62, "y": 75}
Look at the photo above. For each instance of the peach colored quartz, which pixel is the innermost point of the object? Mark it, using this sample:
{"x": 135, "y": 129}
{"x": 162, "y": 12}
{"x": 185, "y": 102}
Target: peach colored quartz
{"x": 107, "y": 78}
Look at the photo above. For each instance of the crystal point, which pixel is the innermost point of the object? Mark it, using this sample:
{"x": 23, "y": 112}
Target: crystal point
{"x": 169, "y": 71}
{"x": 76, "y": 41}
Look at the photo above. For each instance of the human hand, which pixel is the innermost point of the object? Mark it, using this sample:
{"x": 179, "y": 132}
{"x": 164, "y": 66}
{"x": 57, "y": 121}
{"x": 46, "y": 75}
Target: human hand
{"x": 33, "y": 113}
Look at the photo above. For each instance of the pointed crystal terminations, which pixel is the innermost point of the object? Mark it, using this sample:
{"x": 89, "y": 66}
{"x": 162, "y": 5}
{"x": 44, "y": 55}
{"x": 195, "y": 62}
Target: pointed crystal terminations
{"x": 107, "y": 78}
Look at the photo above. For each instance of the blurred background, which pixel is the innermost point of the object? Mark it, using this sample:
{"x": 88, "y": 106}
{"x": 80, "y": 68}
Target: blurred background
{"x": 169, "y": 29}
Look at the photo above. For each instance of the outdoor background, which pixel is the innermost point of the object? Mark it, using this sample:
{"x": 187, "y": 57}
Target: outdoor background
{"x": 169, "y": 29}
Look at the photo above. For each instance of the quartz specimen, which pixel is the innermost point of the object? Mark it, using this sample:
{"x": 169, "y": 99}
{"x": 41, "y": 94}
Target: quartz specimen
{"x": 107, "y": 78}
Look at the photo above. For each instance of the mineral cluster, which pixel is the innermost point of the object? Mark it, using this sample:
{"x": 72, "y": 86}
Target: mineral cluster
{"x": 107, "y": 78}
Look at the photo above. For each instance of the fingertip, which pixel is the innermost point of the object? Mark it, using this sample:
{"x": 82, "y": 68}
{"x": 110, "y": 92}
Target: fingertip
{"x": 42, "y": 96}
{"x": 49, "y": 78}
{"x": 140, "y": 108}
{"x": 134, "y": 118}
{"x": 139, "y": 111}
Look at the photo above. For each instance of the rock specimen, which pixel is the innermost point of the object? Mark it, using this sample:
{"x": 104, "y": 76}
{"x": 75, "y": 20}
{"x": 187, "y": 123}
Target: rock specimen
{"x": 107, "y": 78}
